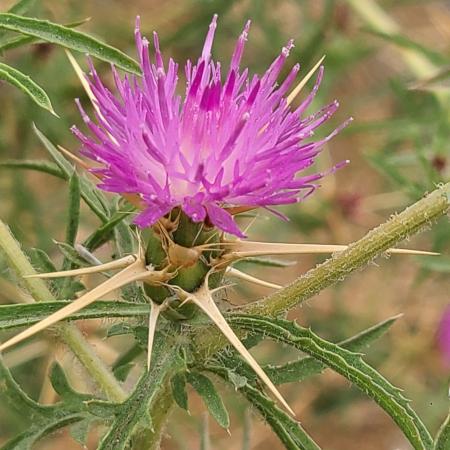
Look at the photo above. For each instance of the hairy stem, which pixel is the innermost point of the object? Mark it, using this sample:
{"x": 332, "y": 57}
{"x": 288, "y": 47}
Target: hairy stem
{"x": 149, "y": 438}
{"x": 68, "y": 333}
{"x": 399, "y": 227}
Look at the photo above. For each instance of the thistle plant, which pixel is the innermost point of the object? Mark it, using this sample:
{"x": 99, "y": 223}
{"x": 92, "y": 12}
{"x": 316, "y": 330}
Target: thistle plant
{"x": 188, "y": 174}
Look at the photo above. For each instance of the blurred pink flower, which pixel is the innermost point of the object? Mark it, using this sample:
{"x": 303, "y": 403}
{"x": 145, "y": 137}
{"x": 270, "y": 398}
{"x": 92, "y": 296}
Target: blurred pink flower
{"x": 443, "y": 336}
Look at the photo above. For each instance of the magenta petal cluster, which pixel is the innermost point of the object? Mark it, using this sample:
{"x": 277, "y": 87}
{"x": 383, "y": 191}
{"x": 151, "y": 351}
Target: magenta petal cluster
{"x": 232, "y": 140}
{"x": 443, "y": 336}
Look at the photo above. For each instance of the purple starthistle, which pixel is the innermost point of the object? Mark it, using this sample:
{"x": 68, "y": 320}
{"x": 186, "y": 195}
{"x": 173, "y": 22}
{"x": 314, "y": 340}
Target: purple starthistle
{"x": 232, "y": 140}
{"x": 443, "y": 336}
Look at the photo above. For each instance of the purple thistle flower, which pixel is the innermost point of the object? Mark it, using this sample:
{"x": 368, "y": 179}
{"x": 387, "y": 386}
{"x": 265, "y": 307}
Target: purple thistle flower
{"x": 443, "y": 336}
{"x": 227, "y": 143}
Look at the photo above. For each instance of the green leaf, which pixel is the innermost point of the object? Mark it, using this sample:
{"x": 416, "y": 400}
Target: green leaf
{"x": 21, "y": 7}
{"x": 20, "y": 41}
{"x": 105, "y": 231}
{"x": 73, "y": 210}
{"x": 348, "y": 364}
{"x": 68, "y": 38}
{"x": 289, "y": 431}
{"x": 178, "y": 384}
{"x": 441, "y": 264}
{"x": 303, "y": 368}
{"x": 47, "y": 419}
{"x": 28, "y": 438}
{"x": 62, "y": 387}
{"x": 126, "y": 359}
{"x": 18, "y": 315}
{"x": 403, "y": 41}
{"x": 205, "y": 388}
{"x": 16, "y": 397}
{"x": 71, "y": 254}
{"x": 87, "y": 188}
{"x": 442, "y": 441}
{"x": 42, "y": 263}
{"x": 122, "y": 372}
{"x": 27, "y": 86}
{"x": 80, "y": 431}
{"x": 37, "y": 165}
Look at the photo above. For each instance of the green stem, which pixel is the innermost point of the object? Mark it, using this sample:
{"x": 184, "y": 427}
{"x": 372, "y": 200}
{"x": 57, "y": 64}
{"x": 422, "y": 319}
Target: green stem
{"x": 401, "y": 226}
{"x": 149, "y": 438}
{"x": 68, "y": 333}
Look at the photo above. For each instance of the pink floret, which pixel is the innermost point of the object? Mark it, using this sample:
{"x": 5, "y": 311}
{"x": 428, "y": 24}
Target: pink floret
{"x": 231, "y": 141}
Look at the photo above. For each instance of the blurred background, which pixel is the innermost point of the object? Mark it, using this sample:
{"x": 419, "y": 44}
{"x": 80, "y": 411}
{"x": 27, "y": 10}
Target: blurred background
{"x": 388, "y": 64}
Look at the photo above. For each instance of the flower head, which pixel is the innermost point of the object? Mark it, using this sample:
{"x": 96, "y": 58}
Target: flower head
{"x": 232, "y": 140}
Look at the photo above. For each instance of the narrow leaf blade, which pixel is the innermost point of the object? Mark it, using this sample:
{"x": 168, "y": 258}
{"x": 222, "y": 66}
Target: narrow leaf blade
{"x": 303, "y": 368}
{"x": 68, "y": 38}
{"x": 178, "y": 384}
{"x": 73, "y": 210}
{"x": 87, "y": 188}
{"x": 27, "y": 86}
{"x": 207, "y": 391}
{"x": 36, "y": 165}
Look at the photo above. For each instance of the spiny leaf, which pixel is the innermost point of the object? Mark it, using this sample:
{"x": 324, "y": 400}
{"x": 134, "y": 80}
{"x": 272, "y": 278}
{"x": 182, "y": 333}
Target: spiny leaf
{"x": 348, "y": 364}
{"x": 207, "y": 391}
{"x": 87, "y": 187}
{"x": 305, "y": 367}
{"x": 27, "y": 86}
{"x": 47, "y": 419}
{"x": 178, "y": 384}
{"x": 37, "y": 165}
{"x": 68, "y": 38}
